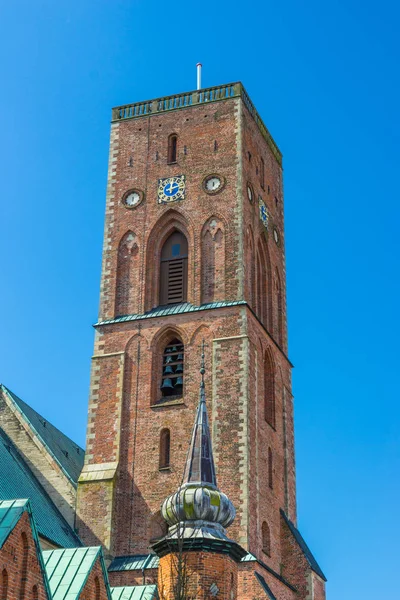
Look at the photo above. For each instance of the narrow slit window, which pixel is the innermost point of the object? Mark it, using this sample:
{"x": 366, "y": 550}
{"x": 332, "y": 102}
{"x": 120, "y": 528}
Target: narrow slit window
{"x": 266, "y": 538}
{"x": 172, "y": 148}
{"x": 165, "y": 449}
{"x": 270, "y": 469}
{"x": 262, "y": 173}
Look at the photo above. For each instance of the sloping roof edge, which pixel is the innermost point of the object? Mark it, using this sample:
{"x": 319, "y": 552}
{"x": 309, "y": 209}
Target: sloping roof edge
{"x": 25, "y": 506}
{"x": 265, "y": 586}
{"x": 303, "y": 546}
{"x": 43, "y": 443}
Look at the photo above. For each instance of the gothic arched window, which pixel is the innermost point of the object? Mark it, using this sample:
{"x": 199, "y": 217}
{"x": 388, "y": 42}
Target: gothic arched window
{"x": 4, "y": 584}
{"x": 165, "y": 448}
{"x": 266, "y": 538}
{"x": 172, "y": 148}
{"x": 173, "y": 269}
{"x": 35, "y": 593}
{"x": 269, "y": 390}
{"x": 172, "y": 370}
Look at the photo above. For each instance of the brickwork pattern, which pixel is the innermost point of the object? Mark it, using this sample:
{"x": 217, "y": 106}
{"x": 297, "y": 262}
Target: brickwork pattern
{"x": 20, "y": 566}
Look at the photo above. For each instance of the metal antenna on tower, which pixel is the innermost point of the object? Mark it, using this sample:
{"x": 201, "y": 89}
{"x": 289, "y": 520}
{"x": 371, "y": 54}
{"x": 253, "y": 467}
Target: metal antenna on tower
{"x": 199, "y": 65}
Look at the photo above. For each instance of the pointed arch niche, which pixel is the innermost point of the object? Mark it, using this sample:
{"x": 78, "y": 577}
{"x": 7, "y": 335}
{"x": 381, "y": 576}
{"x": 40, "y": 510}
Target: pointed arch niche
{"x": 126, "y": 301}
{"x": 172, "y": 222}
{"x": 263, "y": 284}
{"x": 278, "y": 309}
{"x": 213, "y": 261}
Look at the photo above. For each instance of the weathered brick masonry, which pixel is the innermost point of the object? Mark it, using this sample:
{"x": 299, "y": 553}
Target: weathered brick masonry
{"x": 232, "y": 259}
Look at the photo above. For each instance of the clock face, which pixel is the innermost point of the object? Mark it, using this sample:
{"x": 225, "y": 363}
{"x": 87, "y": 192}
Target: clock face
{"x": 250, "y": 194}
{"x": 171, "y": 189}
{"x": 132, "y": 199}
{"x": 213, "y": 184}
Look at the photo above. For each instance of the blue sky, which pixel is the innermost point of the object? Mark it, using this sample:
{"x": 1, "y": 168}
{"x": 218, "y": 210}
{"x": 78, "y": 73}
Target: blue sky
{"x": 325, "y": 79}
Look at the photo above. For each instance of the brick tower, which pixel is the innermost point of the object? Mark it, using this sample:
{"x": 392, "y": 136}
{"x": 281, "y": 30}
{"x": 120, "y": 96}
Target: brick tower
{"x": 193, "y": 250}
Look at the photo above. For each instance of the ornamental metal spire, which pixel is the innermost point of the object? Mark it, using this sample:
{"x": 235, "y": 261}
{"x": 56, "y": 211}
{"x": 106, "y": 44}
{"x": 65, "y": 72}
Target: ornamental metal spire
{"x": 199, "y": 466}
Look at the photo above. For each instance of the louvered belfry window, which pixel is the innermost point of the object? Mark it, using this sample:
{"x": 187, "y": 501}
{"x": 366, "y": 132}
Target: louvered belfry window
{"x": 172, "y": 369}
{"x": 173, "y": 272}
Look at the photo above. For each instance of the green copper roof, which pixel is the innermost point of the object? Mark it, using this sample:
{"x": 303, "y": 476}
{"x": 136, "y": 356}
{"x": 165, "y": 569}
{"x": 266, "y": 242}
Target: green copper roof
{"x": 131, "y": 563}
{"x": 68, "y": 454}
{"x": 134, "y": 592}
{"x": 10, "y": 513}
{"x": 174, "y": 309}
{"x": 303, "y": 546}
{"x": 68, "y": 569}
{"x": 18, "y": 481}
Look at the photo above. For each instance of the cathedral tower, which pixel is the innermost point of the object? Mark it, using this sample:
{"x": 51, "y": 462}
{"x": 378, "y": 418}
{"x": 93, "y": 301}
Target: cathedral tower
{"x": 193, "y": 250}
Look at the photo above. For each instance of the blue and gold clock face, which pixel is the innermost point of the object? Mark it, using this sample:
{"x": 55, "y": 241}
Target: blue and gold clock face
{"x": 263, "y": 212}
{"x": 171, "y": 189}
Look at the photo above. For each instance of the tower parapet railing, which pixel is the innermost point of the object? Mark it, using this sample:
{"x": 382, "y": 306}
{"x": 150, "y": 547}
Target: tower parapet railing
{"x": 203, "y": 96}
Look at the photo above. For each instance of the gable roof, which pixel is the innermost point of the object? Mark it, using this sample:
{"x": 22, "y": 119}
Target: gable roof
{"x": 18, "y": 481}
{"x": 10, "y": 513}
{"x": 69, "y": 455}
{"x": 134, "y": 592}
{"x": 135, "y": 562}
{"x": 68, "y": 569}
{"x": 303, "y": 546}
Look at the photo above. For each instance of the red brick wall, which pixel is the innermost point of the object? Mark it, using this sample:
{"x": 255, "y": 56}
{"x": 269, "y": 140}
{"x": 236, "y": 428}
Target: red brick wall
{"x": 21, "y": 564}
{"x": 95, "y": 586}
{"x": 203, "y": 569}
{"x": 223, "y": 232}
{"x": 134, "y": 577}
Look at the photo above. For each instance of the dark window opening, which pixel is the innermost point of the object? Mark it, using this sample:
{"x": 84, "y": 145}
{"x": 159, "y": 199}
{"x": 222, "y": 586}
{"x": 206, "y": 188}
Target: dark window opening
{"x": 172, "y": 148}
{"x": 266, "y": 538}
{"x": 165, "y": 449}
{"x": 262, "y": 173}
{"x": 215, "y": 145}
{"x": 172, "y": 370}
{"x": 173, "y": 270}
{"x": 270, "y": 469}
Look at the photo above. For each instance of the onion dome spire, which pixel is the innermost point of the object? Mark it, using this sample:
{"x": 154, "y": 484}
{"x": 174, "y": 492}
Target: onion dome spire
{"x": 198, "y": 504}
{"x": 200, "y": 467}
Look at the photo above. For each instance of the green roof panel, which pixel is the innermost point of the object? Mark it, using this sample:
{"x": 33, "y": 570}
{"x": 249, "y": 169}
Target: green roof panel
{"x": 18, "y": 481}
{"x": 135, "y": 562}
{"x": 68, "y": 569}
{"x": 134, "y": 592}
{"x": 10, "y": 513}
{"x": 174, "y": 309}
{"x": 68, "y": 454}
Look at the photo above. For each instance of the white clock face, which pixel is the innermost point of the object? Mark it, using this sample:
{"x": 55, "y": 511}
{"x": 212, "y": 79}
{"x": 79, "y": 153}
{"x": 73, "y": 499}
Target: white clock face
{"x": 250, "y": 193}
{"x": 132, "y": 199}
{"x": 213, "y": 184}
{"x": 276, "y": 236}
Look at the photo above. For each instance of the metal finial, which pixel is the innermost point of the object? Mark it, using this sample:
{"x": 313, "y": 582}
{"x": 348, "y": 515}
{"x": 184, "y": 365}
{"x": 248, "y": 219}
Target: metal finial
{"x": 202, "y": 371}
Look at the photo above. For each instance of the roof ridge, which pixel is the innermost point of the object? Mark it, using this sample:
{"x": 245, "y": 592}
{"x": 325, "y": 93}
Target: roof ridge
{"x": 24, "y": 468}
{"x": 16, "y": 400}
{"x": 303, "y": 546}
